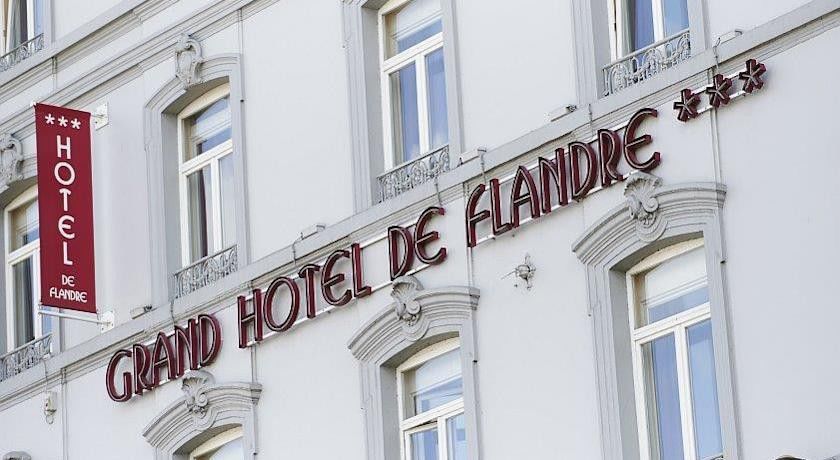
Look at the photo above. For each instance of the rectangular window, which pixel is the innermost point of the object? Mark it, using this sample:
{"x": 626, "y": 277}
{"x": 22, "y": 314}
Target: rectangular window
{"x": 413, "y": 79}
{"x": 676, "y": 387}
{"x": 208, "y": 210}
{"x": 24, "y": 324}
{"x": 432, "y": 404}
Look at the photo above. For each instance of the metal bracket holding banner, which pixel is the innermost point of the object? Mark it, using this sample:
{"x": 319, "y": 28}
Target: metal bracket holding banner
{"x": 105, "y": 320}
{"x": 100, "y": 117}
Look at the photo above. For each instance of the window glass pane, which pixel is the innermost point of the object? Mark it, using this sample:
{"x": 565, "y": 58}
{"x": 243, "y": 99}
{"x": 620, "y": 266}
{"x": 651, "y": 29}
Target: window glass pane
{"x": 438, "y": 125}
{"x": 412, "y": 24}
{"x": 663, "y": 399}
{"x": 24, "y": 301}
{"x": 24, "y": 223}
{"x": 456, "y": 438}
{"x": 704, "y": 400}
{"x": 424, "y": 445}
{"x": 228, "y": 205}
{"x": 640, "y": 20}
{"x": 46, "y": 322}
{"x": 671, "y": 287}
{"x": 434, "y": 383}
{"x": 208, "y": 128}
{"x": 676, "y": 16}
{"x": 404, "y": 116}
{"x": 200, "y": 203}
{"x": 39, "y": 17}
{"x": 230, "y": 451}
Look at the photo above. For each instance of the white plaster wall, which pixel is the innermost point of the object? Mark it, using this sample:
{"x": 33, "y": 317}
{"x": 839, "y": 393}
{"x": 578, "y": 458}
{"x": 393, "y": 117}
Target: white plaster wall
{"x": 780, "y": 164}
{"x": 24, "y": 428}
{"x": 310, "y": 405}
{"x": 535, "y": 372}
{"x": 295, "y": 121}
{"x": 516, "y": 65}
{"x": 68, "y": 16}
{"x": 120, "y": 205}
{"x": 726, "y": 16}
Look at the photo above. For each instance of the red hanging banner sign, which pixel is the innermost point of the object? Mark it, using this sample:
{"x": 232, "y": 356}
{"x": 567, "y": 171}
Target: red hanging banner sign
{"x": 65, "y": 208}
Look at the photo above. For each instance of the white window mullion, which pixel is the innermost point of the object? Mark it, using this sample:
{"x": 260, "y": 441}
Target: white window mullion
{"x": 388, "y": 120}
{"x": 684, "y": 385}
{"x": 185, "y": 220}
{"x": 37, "y": 330}
{"x": 422, "y": 104}
{"x": 442, "y": 438}
{"x": 658, "y": 9}
{"x": 216, "y": 208}
{"x": 641, "y": 401}
{"x": 30, "y": 19}
{"x": 10, "y": 310}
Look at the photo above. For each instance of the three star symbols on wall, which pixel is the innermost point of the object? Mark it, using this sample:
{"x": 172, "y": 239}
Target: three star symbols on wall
{"x": 719, "y": 93}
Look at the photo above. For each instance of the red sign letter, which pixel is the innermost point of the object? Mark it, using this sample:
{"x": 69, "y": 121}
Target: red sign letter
{"x": 633, "y": 143}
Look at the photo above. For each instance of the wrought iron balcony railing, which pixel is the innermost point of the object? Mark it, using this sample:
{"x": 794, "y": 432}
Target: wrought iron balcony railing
{"x": 646, "y": 62}
{"x": 21, "y": 52}
{"x": 413, "y": 173}
{"x": 206, "y": 271}
{"x": 25, "y": 356}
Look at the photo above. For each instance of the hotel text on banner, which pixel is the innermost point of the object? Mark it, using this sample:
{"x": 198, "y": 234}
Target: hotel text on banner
{"x": 65, "y": 208}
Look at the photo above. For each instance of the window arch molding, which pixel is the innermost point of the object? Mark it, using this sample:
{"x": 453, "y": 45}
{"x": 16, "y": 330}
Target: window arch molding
{"x": 206, "y": 410}
{"x": 417, "y": 319}
{"x": 653, "y": 217}
{"x": 161, "y": 144}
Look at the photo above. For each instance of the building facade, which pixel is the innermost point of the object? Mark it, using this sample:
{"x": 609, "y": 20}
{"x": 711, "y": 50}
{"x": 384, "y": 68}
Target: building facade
{"x": 429, "y": 229}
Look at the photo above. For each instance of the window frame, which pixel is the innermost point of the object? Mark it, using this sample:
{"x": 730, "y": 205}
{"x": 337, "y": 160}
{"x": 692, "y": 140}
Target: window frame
{"x": 29, "y": 250}
{"x": 677, "y": 325}
{"x": 436, "y": 417}
{"x": 185, "y": 168}
{"x": 416, "y": 55}
{"x": 218, "y": 441}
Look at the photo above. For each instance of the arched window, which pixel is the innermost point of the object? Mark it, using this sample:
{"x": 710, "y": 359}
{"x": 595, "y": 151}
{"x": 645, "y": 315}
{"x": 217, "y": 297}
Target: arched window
{"x": 224, "y": 446}
{"x": 206, "y": 176}
{"x": 22, "y": 258}
{"x": 673, "y": 355}
{"x": 431, "y": 404}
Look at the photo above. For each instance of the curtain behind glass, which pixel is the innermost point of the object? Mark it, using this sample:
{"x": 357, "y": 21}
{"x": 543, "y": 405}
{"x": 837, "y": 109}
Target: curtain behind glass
{"x": 18, "y": 23}
{"x": 640, "y": 18}
{"x": 23, "y": 302}
{"x": 200, "y": 205}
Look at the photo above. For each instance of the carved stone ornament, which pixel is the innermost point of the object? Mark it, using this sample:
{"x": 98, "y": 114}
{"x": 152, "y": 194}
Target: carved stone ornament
{"x": 643, "y": 205}
{"x": 11, "y": 160}
{"x": 17, "y": 455}
{"x": 404, "y": 291}
{"x": 195, "y": 385}
{"x": 188, "y": 59}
